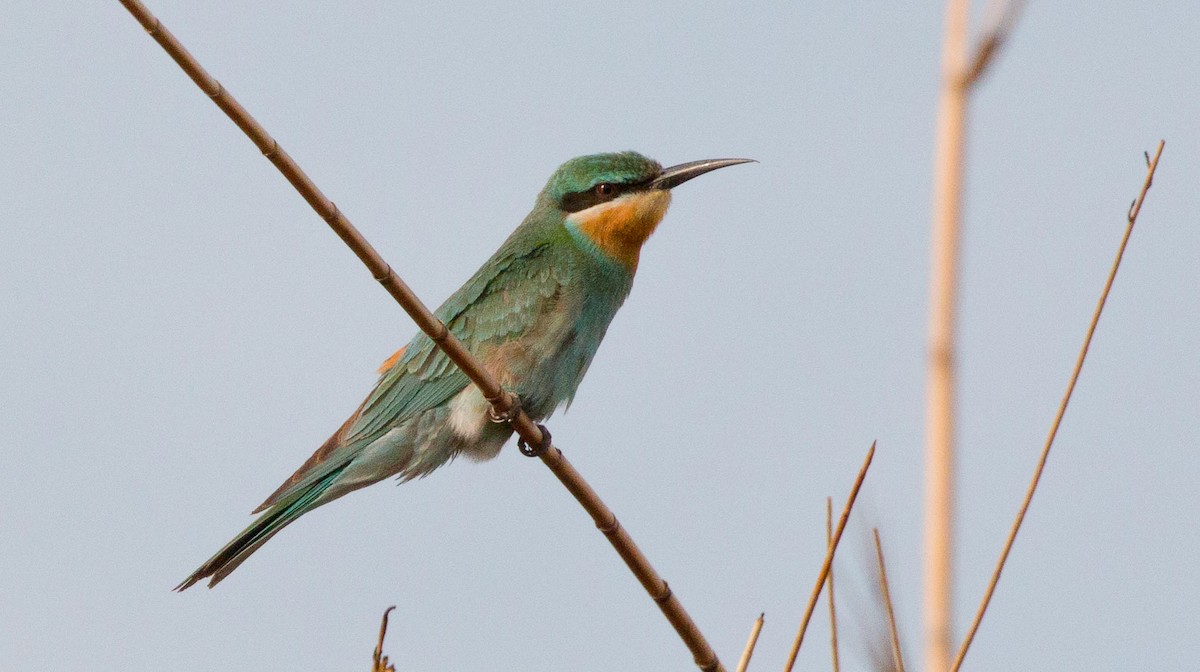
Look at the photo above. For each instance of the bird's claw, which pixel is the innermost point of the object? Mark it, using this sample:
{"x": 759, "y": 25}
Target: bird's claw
{"x": 531, "y": 451}
{"x": 507, "y": 416}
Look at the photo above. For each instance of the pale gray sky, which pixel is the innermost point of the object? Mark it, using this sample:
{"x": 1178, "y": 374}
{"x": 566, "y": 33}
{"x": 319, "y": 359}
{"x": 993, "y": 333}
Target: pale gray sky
{"x": 178, "y": 331}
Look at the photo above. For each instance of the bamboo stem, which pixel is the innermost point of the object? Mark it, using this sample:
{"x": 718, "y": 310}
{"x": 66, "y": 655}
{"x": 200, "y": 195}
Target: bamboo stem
{"x": 829, "y": 552}
{"x": 502, "y": 402}
{"x": 1131, "y": 218}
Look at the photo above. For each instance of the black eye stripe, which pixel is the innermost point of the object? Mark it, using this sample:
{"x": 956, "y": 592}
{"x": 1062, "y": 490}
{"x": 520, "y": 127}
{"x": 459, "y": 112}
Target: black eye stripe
{"x": 582, "y": 200}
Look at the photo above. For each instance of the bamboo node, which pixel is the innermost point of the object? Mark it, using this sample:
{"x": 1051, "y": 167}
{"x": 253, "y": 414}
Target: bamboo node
{"x": 332, "y": 215}
{"x": 609, "y": 528}
{"x": 666, "y": 594}
{"x": 442, "y": 332}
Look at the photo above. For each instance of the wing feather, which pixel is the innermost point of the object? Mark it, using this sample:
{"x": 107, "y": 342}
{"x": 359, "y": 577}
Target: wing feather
{"x": 500, "y": 302}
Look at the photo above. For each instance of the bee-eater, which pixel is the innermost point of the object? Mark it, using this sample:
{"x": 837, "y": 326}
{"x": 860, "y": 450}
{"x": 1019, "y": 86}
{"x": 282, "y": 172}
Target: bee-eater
{"x": 534, "y": 314}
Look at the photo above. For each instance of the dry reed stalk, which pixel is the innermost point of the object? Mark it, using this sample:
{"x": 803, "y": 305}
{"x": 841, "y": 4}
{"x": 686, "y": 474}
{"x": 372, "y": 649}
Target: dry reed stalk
{"x": 1131, "y": 218}
{"x": 833, "y": 633}
{"x": 829, "y": 552}
{"x": 744, "y": 662}
{"x": 958, "y": 77}
{"x": 379, "y": 662}
{"x": 939, "y": 456}
{"x": 502, "y": 402}
{"x": 897, "y": 656}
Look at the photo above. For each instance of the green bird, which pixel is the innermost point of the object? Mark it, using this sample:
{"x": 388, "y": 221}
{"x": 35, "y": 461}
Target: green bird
{"x": 534, "y": 315}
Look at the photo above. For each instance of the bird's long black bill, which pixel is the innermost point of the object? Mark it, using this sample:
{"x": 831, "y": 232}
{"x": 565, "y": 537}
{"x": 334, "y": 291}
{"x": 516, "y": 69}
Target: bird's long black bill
{"x": 676, "y": 175}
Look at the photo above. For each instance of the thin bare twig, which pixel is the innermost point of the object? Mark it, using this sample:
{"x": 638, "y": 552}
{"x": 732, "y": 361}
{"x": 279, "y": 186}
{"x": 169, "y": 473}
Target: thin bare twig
{"x": 1131, "y": 218}
{"x": 502, "y": 402}
{"x": 379, "y": 661}
{"x": 829, "y": 552}
{"x": 897, "y": 656}
{"x": 750, "y": 644}
{"x": 833, "y": 633}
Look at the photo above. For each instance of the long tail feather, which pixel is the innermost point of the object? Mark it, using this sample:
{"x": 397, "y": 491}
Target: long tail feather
{"x": 263, "y": 528}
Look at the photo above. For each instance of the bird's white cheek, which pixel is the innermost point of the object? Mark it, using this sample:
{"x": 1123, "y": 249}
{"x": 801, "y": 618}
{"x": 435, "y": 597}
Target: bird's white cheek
{"x": 468, "y": 414}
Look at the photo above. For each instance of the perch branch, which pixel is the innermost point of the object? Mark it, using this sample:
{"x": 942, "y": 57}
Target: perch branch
{"x": 501, "y": 401}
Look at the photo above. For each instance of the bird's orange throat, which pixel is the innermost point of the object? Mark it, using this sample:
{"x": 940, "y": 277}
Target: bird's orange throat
{"x": 619, "y": 228}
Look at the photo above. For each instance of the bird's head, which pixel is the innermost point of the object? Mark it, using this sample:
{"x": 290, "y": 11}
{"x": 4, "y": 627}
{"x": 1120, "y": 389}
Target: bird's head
{"x": 615, "y": 201}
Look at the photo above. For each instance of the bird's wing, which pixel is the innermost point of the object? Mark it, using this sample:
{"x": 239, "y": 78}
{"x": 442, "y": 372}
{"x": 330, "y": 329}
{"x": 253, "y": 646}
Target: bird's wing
{"x": 501, "y": 301}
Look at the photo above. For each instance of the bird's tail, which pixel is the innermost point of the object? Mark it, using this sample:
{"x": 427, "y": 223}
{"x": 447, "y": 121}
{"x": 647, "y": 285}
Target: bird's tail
{"x": 274, "y": 519}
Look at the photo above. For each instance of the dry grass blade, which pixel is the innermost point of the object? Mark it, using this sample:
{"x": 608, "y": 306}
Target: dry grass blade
{"x": 750, "y": 644}
{"x": 1131, "y": 218}
{"x": 897, "y": 656}
{"x": 829, "y": 552}
{"x": 379, "y": 661}
{"x": 502, "y": 401}
{"x": 833, "y": 633}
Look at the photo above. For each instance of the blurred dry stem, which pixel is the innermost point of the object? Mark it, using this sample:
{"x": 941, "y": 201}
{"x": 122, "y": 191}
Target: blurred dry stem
{"x": 829, "y": 553}
{"x": 502, "y": 402}
{"x": 1131, "y": 219}
{"x": 750, "y": 643}
{"x": 897, "y": 656}
{"x": 939, "y": 459}
{"x": 379, "y": 661}
{"x": 833, "y": 633}
{"x": 959, "y": 74}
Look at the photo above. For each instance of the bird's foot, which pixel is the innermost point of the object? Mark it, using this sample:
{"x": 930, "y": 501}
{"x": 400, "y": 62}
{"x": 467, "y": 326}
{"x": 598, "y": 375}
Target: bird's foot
{"x": 507, "y": 416}
{"x": 532, "y": 451}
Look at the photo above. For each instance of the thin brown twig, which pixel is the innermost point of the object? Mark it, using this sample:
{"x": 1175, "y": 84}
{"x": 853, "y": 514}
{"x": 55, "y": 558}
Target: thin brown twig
{"x": 897, "y": 656}
{"x": 502, "y": 402}
{"x": 829, "y": 552}
{"x": 379, "y": 661}
{"x": 744, "y": 662}
{"x": 833, "y": 633}
{"x": 1131, "y": 218}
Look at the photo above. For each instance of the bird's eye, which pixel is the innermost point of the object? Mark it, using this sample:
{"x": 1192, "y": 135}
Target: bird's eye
{"x": 605, "y": 189}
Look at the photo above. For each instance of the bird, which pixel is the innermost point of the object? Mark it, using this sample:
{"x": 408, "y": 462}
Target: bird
{"x": 534, "y": 314}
